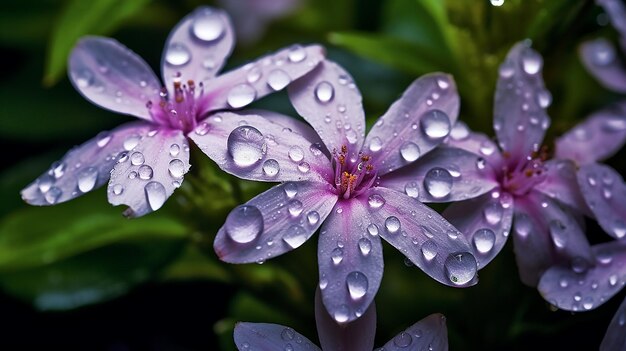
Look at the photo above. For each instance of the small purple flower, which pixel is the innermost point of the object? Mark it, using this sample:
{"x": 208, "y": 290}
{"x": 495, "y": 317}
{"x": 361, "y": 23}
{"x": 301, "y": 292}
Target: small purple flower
{"x": 428, "y": 334}
{"x": 146, "y": 160}
{"x": 360, "y": 188}
{"x": 540, "y": 195}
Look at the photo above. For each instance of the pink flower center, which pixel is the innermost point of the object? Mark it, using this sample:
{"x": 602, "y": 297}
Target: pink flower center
{"x": 526, "y": 174}
{"x": 179, "y": 111}
{"x": 352, "y": 176}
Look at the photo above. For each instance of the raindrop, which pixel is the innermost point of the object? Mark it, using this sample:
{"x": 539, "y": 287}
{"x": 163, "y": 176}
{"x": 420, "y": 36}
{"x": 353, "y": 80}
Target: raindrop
{"x": 174, "y": 150}
{"x": 435, "y": 124}
{"x": 460, "y": 268}
{"x": 313, "y": 217}
{"x": 357, "y": 285}
{"x": 52, "y": 195}
{"x": 523, "y": 225}
{"x": 241, "y": 95}
{"x": 438, "y": 182}
{"x": 278, "y": 79}
{"x": 342, "y": 314}
{"x": 155, "y": 195}
{"x": 460, "y": 131}
{"x": 271, "y": 167}
{"x": 558, "y": 233}
{"x": 87, "y": 179}
{"x": 619, "y": 228}
{"x": 118, "y": 189}
{"x": 287, "y": 334}
{"x": 324, "y": 92}
{"x": 497, "y": 3}
{"x": 507, "y": 69}
{"x": 392, "y": 223}
{"x": 429, "y": 250}
{"x": 291, "y": 190}
{"x": 84, "y": 78}
{"x": 365, "y": 246}
{"x": 254, "y": 75}
{"x": 137, "y": 158}
{"x": 372, "y": 229}
{"x": 603, "y": 53}
{"x": 295, "y": 208}
{"x": 176, "y": 168}
{"x": 409, "y": 151}
{"x": 246, "y": 145}
{"x": 207, "y": 25}
{"x": 58, "y": 169}
{"x": 412, "y": 189}
{"x": 337, "y": 255}
{"x": 103, "y": 139}
{"x": 203, "y": 128}
{"x": 493, "y": 213}
{"x": 375, "y": 201}
{"x": 45, "y": 182}
{"x": 351, "y": 136}
{"x": 481, "y": 163}
{"x": 487, "y": 148}
{"x": 244, "y": 224}
{"x": 544, "y": 98}
{"x": 145, "y": 172}
{"x": 531, "y": 62}
{"x": 296, "y": 53}
{"x": 376, "y": 144}
{"x": 132, "y": 175}
{"x": 403, "y": 340}
{"x": 296, "y": 153}
{"x": 177, "y": 54}
{"x": 484, "y": 240}
{"x": 304, "y": 167}
{"x": 295, "y": 236}
{"x": 131, "y": 142}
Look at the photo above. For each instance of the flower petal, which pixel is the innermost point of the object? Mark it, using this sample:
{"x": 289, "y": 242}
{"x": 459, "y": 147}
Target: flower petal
{"x": 85, "y": 167}
{"x": 414, "y": 124}
{"x": 265, "y": 336}
{"x": 357, "y": 335}
{"x": 576, "y": 289}
{"x": 463, "y": 138}
{"x": 561, "y": 184}
{"x": 350, "y": 261}
{"x": 331, "y": 103}
{"x": 252, "y": 147}
{"x": 446, "y": 174}
{"x": 601, "y": 60}
{"x": 546, "y": 234}
{"x": 430, "y": 333}
{"x": 198, "y": 46}
{"x": 274, "y": 222}
{"x": 617, "y": 14}
{"x": 615, "y": 337}
{"x": 113, "y": 77}
{"x": 292, "y": 123}
{"x": 485, "y": 221}
{"x": 520, "y": 119}
{"x": 605, "y": 193}
{"x": 421, "y": 234}
{"x": 152, "y": 171}
{"x": 598, "y": 137}
{"x": 242, "y": 86}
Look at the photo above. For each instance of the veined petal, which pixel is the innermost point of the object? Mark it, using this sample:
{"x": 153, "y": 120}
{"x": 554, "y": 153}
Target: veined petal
{"x": 463, "y": 138}
{"x": 605, "y": 193}
{"x": 85, "y": 167}
{"x": 598, "y": 137}
{"x": 446, "y": 174}
{"x": 602, "y": 62}
{"x": 331, "y": 103}
{"x": 421, "y": 234}
{"x": 350, "y": 261}
{"x": 265, "y": 336}
{"x": 485, "y": 221}
{"x": 415, "y": 124}
{"x": 357, "y": 335}
{"x": 113, "y": 77}
{"x": 242, "y": 86}
{"x": 520, "y": 119}
{"x": 561, "y": 184}
{"x": 615, "y": 338}
{"x": 274, "y": 222}
{"x": 254, "y": 148}
{"x": 575, "y": 289}
{"x": 430, "y": 333}
{"x": 198, "y": 46}
{"x": 150, "y": 173}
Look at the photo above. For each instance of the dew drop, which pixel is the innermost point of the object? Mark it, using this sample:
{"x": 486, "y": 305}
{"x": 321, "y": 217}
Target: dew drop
{"x": 342, "y": 314}
{"x": 438, "y": 182}
{"x": 603, "y": 53}
{"x": 372, "y": 229}
{"x": 392, "y": 223}
{"x": 460, "y": 131}
{"x": 531, "y": 62}
{"x": 435, "y": 124}
{"x": 131, "y": 142}
{"x": 523, "y": 225}
{"x": 52, "y": 195}
{"x": 145, "y": 172}
{"x": 176, "y": 168}
{"x": 291, "y": 190}
{"x": 357, "y": 285}
{"x": 246, "y": 145}
{"x": 295, "y": 208}
{"x": 313, "y": 217}
{"x": 103, "y": 139}
{"x": 375, "y": 201}
{"x": 429, "y": 250}
{"x": 403, "y": 340}
{"x": 544, "y": 98}
{"x": 296, "y": 153}
{"x": 412, "y": 189}
{"x": 484, "y": 240}
{"x": 558, "y": 233}
{"x": 278, "y": 79}
{"x": 244, "y": 224}
{"x": 271, "y": 167}
{"x": 295, "y": 236}
{"x": 241, "y": 95}
{"x": 207, "y": 25}
{"x": 619, "y": 228}
{"x": 155, "y": 195}
{"x": 287, "y": 334}
{"x": 174, "y": 150}
{"x": 365, "y": 246}
{"x": 337, "y": 255}
{"x": 376, "y": 144}
{"x": 177, "y": 54}
{"x": 409, "y": 151}
{"x": 324, "y": 92}
{"x": 87, "y": 179}
{"x": 460, "y": 267}
{"x": 118, "y": 189}
{"x": 137, "y": 158}
{"x": 493, "y": 213}
{"x": 296, "y": 54}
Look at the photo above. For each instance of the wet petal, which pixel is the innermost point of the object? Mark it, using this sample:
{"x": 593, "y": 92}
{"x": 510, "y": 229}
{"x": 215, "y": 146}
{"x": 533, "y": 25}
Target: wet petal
{"x": 463, "y": 138}
{"x": 597, "y": 138}
{"x": 242, "y": 86}
{"x": 575, "y": 289}
{"x": 350, "y": 261}
{"x": 430, "y": 333}
{"x": 274, "y": 222}
{"x": 605, "y": 193}
{"x": 446, "y": 174}
{"x": 561, "y": 184}
{"x": 150, "y": 173}
{"x": 85, "y": 167}
{"x": 198, "y": 46}
{"x": 546, "y": 234}
{"x": 615, "y": 337}
{"x": 265, "y": 336}
{"x": 357, "y": 335}
{"x": 601, "y": 60}
{"x": 292, "y": 123}
{"x": 485, "y": 221}
{"x": 520, "y": 118}
{"x": 426, "y": 238}
{"x": 417, "y": 122}
{"x": 251, "y": 147}
{"x": 329, "y": 100}
{"x": 113, "y": 77}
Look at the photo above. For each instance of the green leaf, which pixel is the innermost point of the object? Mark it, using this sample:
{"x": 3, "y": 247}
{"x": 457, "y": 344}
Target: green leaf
{"x": 79, "y": 18}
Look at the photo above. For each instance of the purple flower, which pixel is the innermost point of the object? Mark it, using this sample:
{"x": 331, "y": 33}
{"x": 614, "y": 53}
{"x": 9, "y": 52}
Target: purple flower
{"x": 360, "y": 188}
{"x": 147, "y": 160}
{"x": 428, "y": 334}
{"x": 539, "y": 195}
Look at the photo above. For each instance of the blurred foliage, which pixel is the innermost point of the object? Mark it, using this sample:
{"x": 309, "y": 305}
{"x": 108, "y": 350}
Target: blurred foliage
{"x": 83, "y": 252}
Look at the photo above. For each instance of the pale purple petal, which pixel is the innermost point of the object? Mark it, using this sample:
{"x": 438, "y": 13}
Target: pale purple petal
{"x": 331, "y": 103}
{"x": 520, "y": 118}
{"x": 446, "y": 174}
{"x": 615, "y": 337}
{"x": 357, "y": 335}
{"x": 242, "y": 86}
{"x": 274, "y": 222}
{"x": 198, "y": 46}
{"x": 85, "y": 167}
{"x": 430, "y": 333}
{"x": 350, "y": 261}
{"x": 598, "y": 137}
{"x": 252, "y": 147}
{"x": 150, "y": 173}
{"x": 113, "y": 77}
{"x": 463, "y": 138}
{"x": 415, "y": 124}
{"x": 605, "y": 193}
{"x": 265, "y": 336}
{"x": 575, "y": 289}
{"x": 292, "y": 123}
{"x": 421, "y": 234}
{"x": 601, "y": 60}
{"x": 617, "y": 14}
{"x": 485, "y": 221}
{"x": 561, "y": 184}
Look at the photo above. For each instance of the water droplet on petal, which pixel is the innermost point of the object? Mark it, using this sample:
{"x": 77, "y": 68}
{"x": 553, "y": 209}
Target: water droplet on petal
{"x": 176, "y": 168}
{"x": 287, "y": 334}
{"x": 337, "y": 255}
{"x": 365, "y": 246}
{"x": 313, "y": 217}
{"x": 246, "y": 145}
{"x": 357, "y": 285}
{"x": 558, "y": 232}
{"x": 103, "y": 139}
{"x": 271, "y": 167}
{"x": 435, "y": 124}
{"x": 497, "y": 3}
{"x": 619, "y": 228}
{"x": 507, "y": 69}
{"x": 403, "y": 340}
{"x": 295, "y": 236}
{"x": 87, "y": 179}
{"x": 409, "y": 151}
{"x": 392, "y": 223}
{"x": 137, "y": 158}
{"x": 493, "y": 213}
{"x": 296, "y": 153}
{"x": 531, "y": 62}
{"x": 278, "y": 79}
{"x": 376, "y": 144}
{"x": 295, "y": 208}
{"x": 131, "y": 142}
{"x": 241, "y": 95}
{"x": 118, "y": 189}
{"x": 544, "y": 99}
{"x": 603, "y": 53}
{"x": 177, "y": 54}
{"x": 523, "y": 225}
{"x": 372, "y": 229}
{"x": 291, "y": 190}
{"x": 155, "y": 195}
{"x": 460, "y": 131}
{"x": 342, "y": 314}
{"x": 412, "y": 189}
{"x": 375, "y": 201}
{"x": 52, "y": 195}
{"x": 84, "y": 78}
{"x": 438, "y": 182}
{"x": 244, "y": 224}
{"x": 429, "y": 250}
{"x": 145, "y": 172}
{"x": 207, "y": 25}
{"x": 324, "y": 92}
{"x": 460, "y": 268}
{"x": 296, "y": 54}
{"x": 174, "y": 150}
{"x": 484, "y": 240}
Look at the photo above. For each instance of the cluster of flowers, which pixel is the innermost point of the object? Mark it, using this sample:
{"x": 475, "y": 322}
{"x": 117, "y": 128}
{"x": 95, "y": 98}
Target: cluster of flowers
{"x": 355, "y": 188}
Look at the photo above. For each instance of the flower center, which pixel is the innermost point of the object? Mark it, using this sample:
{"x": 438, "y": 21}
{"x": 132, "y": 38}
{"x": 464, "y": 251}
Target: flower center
{"x": 353, "y": 176}
{"x": 526, "y": 174}
{"x": 180, "y": 110}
